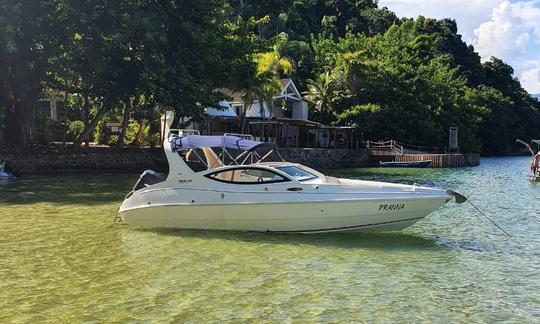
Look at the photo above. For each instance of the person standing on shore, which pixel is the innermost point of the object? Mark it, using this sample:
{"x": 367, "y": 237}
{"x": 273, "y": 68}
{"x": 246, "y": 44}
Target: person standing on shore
{"x": 535, "y": 164}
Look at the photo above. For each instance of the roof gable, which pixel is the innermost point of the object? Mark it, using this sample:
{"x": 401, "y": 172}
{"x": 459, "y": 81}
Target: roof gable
{"x": 288, "y": 92}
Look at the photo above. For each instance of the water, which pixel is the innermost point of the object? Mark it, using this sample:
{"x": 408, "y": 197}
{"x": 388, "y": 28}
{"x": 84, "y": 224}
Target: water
{"x": 62, "y": 260}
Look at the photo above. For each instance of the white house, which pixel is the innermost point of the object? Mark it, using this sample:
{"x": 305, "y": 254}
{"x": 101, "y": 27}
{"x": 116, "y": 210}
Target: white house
{"x": 287, "y": 102}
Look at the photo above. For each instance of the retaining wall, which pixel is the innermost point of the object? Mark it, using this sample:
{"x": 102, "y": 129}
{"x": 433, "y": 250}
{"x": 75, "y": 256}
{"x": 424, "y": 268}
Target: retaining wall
{"x": 326, "y": 158}
{"x": 90, "y": 161}
{"x": 95, "y": 160}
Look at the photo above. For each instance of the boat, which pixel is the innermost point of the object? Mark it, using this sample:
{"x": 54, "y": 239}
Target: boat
{"x": 233, "y": 182}
{"x": 411, "y": 164}
{"x": 7, "y": 170}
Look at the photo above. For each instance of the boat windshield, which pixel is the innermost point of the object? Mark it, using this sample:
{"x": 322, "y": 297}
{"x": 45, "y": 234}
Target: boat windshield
{"x": 297, "y": 173}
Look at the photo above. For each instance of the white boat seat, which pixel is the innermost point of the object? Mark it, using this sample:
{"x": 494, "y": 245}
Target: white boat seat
{"x": 212, "y": 160}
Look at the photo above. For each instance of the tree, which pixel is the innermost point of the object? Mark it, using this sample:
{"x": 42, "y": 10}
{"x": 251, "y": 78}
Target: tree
{"x": 321, "y": 93}
{"x": 175, "y": 54}
{"x": 262, "y": 81}
{"x": 513, "y": 112}
{"x": 30, "y": 33}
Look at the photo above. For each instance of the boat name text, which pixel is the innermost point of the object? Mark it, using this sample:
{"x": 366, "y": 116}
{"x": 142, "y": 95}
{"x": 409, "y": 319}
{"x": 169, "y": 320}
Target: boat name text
{"x": 391, "y": 207}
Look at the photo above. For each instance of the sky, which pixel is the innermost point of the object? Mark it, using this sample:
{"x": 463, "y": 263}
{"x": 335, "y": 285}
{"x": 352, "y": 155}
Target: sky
{"x": 509, "y": 30}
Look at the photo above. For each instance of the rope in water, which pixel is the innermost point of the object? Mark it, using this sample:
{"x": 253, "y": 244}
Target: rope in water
{"x": 489, "y": 219}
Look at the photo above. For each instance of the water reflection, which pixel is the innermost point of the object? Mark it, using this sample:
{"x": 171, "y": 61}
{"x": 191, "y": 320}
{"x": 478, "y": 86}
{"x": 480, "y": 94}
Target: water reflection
{"x": 380, "y": 240}
{"x": 67, "y": 189}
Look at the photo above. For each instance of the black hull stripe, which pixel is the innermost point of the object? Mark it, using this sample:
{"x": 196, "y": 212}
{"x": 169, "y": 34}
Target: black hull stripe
{"x": 347, "y": 227}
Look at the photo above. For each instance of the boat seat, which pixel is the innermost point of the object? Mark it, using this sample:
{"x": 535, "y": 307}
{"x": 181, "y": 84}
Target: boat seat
{"x": 212, "y": 159}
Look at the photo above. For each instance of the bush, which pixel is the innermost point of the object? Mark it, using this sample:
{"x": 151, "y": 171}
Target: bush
{"x": 100, "y": 132}
{"x": 76, "y": 128}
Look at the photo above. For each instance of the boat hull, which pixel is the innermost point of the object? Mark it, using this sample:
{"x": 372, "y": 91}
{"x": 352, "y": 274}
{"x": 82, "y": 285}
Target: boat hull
{"x": 291, "y": 217}
{"x": 412, "y": 164}
{"x": 6, "y": 175}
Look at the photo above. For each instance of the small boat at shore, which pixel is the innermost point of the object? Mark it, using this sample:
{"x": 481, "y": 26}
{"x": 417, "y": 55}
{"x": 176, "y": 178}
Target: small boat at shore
{"x": 7, "y": 170}
{"x": 411, "y": 164}
{"x": 234, "y": 186}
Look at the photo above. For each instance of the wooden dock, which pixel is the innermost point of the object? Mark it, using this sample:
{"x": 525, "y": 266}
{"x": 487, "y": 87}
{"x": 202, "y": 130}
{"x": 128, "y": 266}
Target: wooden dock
{"x": 449, "y": 160}
{"x": 397, "y": 152}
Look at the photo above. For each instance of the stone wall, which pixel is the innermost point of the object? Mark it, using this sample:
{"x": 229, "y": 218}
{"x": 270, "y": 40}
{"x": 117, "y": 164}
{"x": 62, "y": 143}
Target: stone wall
{"x": 326, "y": 158}
{"x": 90, "y": 161}
{"x": 137, "y": 160}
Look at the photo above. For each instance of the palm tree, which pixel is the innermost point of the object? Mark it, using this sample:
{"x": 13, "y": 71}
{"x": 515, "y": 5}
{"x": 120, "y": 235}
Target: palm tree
{"x": 321, "y": 93}
{"x": 262, "y": 81}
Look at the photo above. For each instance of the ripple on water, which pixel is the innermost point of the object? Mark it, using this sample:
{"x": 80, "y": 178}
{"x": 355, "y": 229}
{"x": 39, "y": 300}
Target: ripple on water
{"x": 61, "y": 259}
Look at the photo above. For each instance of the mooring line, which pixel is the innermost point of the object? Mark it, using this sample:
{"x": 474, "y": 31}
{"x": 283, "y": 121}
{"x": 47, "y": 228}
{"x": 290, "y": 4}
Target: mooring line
{"x": 461, "y": 199}
{"x": 489, "y": 219}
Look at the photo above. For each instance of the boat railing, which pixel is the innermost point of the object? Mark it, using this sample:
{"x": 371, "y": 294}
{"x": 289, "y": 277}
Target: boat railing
{"x": 400, "y": 148}
{"x": 390, "y": 145}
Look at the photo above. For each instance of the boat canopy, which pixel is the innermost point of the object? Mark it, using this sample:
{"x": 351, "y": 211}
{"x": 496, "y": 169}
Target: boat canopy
{"x": 227, "y": 141}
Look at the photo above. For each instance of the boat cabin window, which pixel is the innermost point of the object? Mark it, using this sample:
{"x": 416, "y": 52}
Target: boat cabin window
{"x": 297, "y": 173}
{"x": 246, "y": 176}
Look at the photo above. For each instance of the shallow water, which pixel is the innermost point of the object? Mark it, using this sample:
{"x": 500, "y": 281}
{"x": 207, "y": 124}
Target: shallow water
{"x": 62, "y": 259}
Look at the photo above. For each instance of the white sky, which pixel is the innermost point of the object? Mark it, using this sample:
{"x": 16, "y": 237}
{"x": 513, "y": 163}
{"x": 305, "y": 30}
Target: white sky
{"x": 509, "y": 30}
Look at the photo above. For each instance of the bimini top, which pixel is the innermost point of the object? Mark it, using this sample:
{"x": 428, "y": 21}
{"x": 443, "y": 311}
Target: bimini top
{"x": 227, "y": 141}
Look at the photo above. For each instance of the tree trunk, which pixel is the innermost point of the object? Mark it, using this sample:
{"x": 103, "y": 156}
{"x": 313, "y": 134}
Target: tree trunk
{"x": 244, "y": 121}
{"x": 261, "y": 108}
{"x": 86, "y": 117}
{"x": 138, "y": 138}
{"x": 19, "y": 124}
{"x": 19, "y": 97}
{"x": 125, "y": 123}
{"x": 88, "y": 130}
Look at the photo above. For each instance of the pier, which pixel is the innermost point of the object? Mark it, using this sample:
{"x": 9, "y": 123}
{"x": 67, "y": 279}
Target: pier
{"x": 440, "y": 157}
{"x": 449, "y": 160}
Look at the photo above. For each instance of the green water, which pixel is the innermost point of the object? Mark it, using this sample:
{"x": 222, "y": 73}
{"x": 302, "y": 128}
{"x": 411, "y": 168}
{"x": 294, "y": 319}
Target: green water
{"x": 62, "y": 260}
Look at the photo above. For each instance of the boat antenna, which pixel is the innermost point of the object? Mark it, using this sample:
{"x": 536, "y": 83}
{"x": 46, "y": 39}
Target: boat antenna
{"x": 461, "y": 199}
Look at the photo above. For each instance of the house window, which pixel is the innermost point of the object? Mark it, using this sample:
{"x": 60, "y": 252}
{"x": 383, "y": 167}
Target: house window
{"x": 246, "y": 176}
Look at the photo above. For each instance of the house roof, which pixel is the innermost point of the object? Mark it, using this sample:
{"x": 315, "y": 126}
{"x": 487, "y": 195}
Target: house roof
{"x": 288, "y": 92}
{"x": 223, "y": 111}
{"x": 235, "y": 95}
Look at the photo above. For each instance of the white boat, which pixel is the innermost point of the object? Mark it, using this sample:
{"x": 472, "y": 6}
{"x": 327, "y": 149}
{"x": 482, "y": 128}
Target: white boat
{"x": 7, "y": 171}
{"x": 237, "y": 189}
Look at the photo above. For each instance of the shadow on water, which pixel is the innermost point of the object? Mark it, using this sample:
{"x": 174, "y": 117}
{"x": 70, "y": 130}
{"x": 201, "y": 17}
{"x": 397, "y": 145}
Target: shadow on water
{"x": 67, "y": 189}
{"x": 369, "y": 240}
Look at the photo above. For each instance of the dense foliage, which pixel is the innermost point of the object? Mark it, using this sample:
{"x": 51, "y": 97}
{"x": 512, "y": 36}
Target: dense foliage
{"x": 356, "y": 63}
